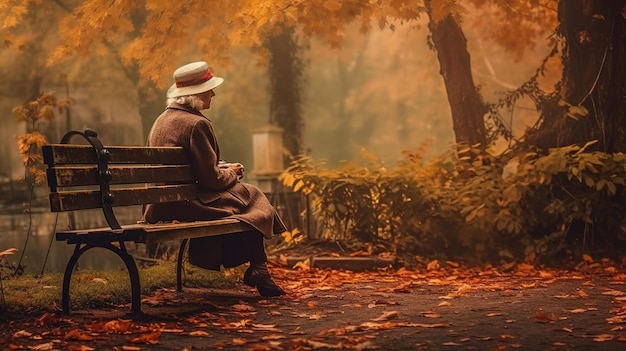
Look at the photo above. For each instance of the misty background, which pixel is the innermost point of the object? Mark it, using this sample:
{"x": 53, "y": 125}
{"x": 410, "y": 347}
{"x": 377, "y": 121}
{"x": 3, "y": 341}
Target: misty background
{"x": 381, "y": 92}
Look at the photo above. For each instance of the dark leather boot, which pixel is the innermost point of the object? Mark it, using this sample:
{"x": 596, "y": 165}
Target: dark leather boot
{"x": 259, "y": 277}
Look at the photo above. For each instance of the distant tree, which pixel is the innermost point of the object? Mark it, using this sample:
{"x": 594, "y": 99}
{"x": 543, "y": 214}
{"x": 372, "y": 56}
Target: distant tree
{"x": 286, "y": 74}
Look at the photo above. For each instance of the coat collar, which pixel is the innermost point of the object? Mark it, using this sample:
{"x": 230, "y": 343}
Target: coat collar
{"x": 186, "y": 108}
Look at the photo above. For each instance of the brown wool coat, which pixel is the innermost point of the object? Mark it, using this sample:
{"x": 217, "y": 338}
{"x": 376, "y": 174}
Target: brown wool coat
{"x": 221, "y": 194}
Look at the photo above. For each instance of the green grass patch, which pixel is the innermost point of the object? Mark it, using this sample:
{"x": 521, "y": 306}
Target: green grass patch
{"x": 102, "y": 289}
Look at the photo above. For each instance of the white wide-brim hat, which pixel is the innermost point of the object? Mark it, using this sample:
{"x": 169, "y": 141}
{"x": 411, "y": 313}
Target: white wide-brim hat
{"x": 193, "y": 78}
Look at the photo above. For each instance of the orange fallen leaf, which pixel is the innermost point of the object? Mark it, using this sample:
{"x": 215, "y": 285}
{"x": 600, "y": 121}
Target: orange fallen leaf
{"x": 582, "y": 294}
{"x": 433, "y": 265}
{"x": 386, "y": 316}
{"x": 241, "y": 307}
{"x": 79, "y": 348}
{"x": 22, "y": 334}
{"x": 541, "y": 316}
{"x": 150, "y": 338}
{"x": 546, "y": 274}
{"x": 238, "y": 341}
{"x": 603, "y": 337}
{"x": 48, "y": 319}
{"x": 199, "y": 333}
{"x": 305, "y": 265}
{"x": 613, "y": 292}
{"x": 525, "y": 267}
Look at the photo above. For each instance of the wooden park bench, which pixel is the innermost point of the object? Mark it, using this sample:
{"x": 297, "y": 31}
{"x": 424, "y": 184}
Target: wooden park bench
{"x": 90, "y": 176}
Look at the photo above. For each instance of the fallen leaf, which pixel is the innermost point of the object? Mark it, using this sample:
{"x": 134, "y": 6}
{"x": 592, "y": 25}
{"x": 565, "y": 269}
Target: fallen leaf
{"x": 543, "y": 317}
{"x": 386, "y": 316}
{"x": 433, "y": 265}
{"x": 305, "y": 265}
{"x": 238, "y": 341}
{"x": 79, "y": 348}
{"x": 43, "y": 347}
{"x": 240, "y": 307}
{"x": 150, "y": 338}
{"x": 603, "y": 337}
{"x": 322, "y": 345}
{"x": 48, "y": 319}
{"x": 199, "y": 333}
{"x": 613, "y": 292}
{"x": 22, "y": 334}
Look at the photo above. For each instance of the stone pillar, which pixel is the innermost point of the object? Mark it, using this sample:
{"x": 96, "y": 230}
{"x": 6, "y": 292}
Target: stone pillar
{"x": 267, "y": 145}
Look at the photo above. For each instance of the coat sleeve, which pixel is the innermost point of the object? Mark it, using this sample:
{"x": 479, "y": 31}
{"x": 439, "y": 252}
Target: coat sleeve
{"x": 205, "y": 157}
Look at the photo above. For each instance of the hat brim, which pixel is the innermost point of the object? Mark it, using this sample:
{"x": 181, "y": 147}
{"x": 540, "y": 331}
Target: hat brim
{"x": 212, "y": 83}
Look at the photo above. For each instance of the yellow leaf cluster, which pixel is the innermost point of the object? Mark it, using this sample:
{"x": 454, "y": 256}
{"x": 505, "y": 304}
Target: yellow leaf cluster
{"x": 13, "y": 12}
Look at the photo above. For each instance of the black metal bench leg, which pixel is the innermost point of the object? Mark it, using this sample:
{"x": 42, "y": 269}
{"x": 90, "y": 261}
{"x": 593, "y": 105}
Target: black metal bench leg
{"x": 120, "y": 251}
{"x": 179, "y": 265}
{"x": 67, "y": 276}
{"x": 133, "y": 272}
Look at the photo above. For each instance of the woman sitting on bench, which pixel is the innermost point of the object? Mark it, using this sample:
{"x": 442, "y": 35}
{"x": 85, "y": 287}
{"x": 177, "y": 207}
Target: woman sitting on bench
{"x": 222, "y": 194}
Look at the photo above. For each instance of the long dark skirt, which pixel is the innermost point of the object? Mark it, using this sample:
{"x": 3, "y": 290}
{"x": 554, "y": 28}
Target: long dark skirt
{"x": 229, "y": 250}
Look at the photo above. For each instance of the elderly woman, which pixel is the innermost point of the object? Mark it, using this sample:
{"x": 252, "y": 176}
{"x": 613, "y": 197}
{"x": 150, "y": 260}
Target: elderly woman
{"x": 222, "y": 194}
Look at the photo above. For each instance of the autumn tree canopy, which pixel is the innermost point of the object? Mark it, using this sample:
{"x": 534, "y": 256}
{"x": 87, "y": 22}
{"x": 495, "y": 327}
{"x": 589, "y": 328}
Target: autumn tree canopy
{"x": 152, "y": 36}
{"x": 149, "y": 34}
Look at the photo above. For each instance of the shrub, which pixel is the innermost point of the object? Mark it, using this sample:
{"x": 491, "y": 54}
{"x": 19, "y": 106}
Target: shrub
{"x": 461, "y": 205}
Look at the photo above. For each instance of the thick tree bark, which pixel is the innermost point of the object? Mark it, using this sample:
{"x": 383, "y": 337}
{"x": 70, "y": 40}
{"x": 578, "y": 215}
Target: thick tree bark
{"x": 594, "y": 76}
{"x": 285, "y": 71}
{"x": 466, "y": 104}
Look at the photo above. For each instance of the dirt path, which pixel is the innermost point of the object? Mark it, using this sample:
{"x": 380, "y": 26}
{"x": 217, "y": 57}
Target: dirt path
{"x": 443, "y": 309}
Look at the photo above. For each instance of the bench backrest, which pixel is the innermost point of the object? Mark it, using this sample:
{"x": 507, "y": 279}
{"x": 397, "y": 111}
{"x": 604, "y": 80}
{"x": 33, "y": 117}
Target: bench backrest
{"x": 87, "y": 177}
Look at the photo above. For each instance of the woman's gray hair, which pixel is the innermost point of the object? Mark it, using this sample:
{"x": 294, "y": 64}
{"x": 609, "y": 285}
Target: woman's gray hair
{"x": 190, "y": 100}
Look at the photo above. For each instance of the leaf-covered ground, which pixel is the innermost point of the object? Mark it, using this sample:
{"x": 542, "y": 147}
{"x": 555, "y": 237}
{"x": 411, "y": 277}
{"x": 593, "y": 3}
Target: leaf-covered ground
{"x": 442, "y": 306}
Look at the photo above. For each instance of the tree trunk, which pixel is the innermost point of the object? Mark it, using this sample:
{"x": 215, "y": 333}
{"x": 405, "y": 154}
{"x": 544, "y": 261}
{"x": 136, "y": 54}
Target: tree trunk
{"x": 466, "y": 104}
{"x": 594, "y": 77}
{"x": 594, "y": 74}
{"x": 285, "y": 71}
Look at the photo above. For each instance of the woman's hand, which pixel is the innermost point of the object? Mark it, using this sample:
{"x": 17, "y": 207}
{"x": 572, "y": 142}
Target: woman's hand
{"x": 237, "y": 167}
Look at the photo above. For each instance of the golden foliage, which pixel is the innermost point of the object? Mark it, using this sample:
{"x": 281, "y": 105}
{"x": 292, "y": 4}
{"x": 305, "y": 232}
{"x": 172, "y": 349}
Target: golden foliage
{"x": 29, "y": 144}
{"x": 157, "y": 34}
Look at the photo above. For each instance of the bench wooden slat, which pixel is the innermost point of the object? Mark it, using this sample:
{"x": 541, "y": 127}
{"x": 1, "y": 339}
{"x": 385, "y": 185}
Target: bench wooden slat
{"x": 59, "y": 154}
{"x": 151, "y": 233}
{"x": 90, "y": 199}
{"x": 88, "y": 175}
